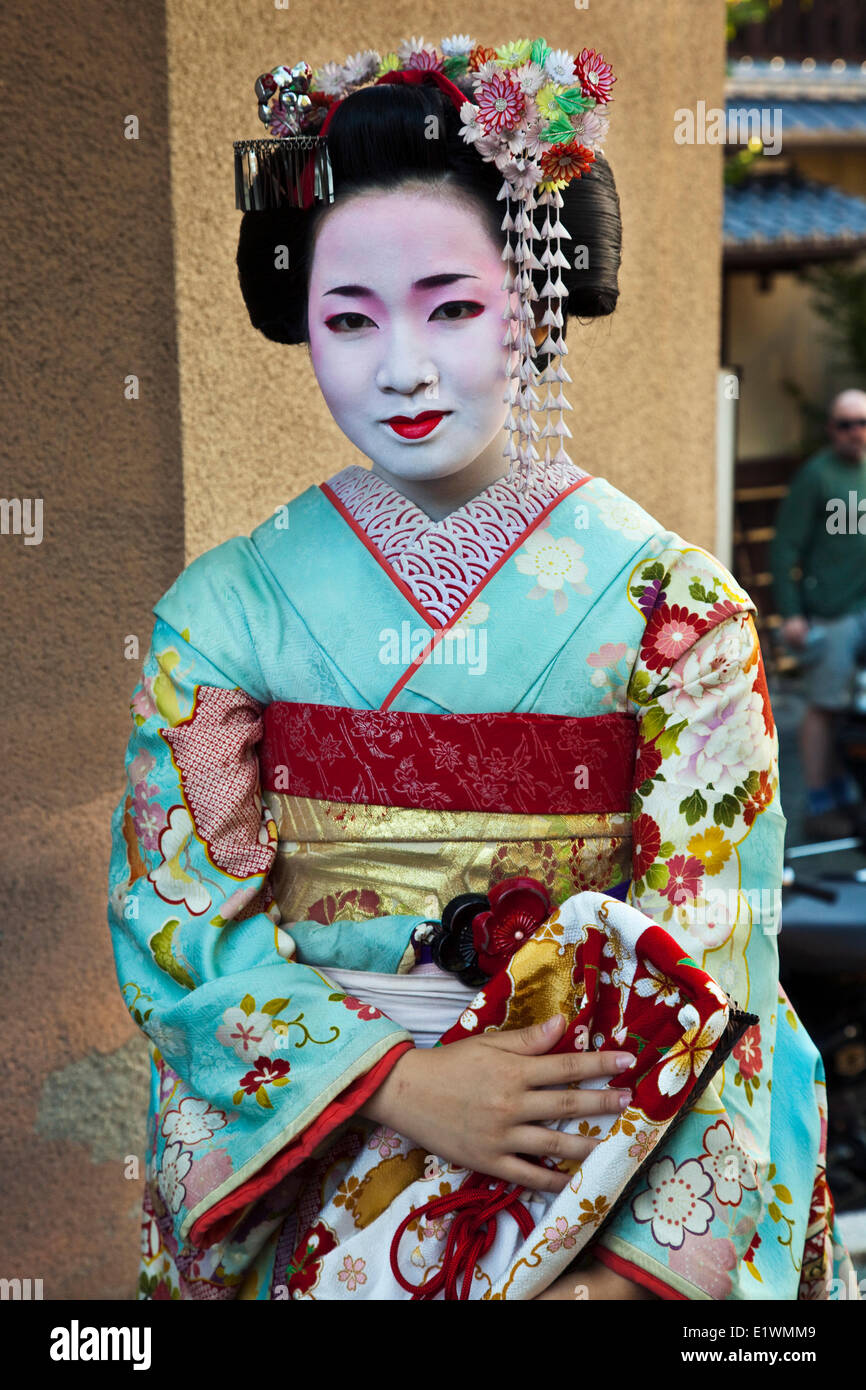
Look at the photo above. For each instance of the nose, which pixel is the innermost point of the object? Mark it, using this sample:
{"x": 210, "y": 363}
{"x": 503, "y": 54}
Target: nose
{"x": 405, "y": 366}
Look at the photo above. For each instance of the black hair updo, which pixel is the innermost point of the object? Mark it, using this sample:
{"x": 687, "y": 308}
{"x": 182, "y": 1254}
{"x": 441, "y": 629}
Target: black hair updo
{"x": 379, "y": 138}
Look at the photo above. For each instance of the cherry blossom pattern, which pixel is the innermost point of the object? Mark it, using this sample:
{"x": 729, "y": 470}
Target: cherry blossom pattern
{"x": 611, "y": 666}
{"x": 148, "y": 816}
{"x": 555, "y": 562}
{"x": 251, "y": 1033}
{"x": 352, "y": 1274}
{"x": 593, "y": 1213}
{"x": 561, "y": 1236}
{"x": 689, "y": 1054}
{"x": 165, "y": 1038}
{"x": 193, "y": 1121}
{"x": 171, "y": 880}
{"x": 643, "y": 1144}
{"x": 417, "y": 1222}
{"x": 346, "y": 1193}
{"x": 386, "y": 1141}
{"x": 436, "y": 1227}
{"x": 732, "y": 1170}
{"x": 747, "y": 1055}
{"x": 674, "y": 1201}
{"x": 265, "y": 1073}
{"x": 620, "y": 513}
{"x": 174, "y": 1166}
{"x": 656, "y": 983}
{"x": 477, "y": 612}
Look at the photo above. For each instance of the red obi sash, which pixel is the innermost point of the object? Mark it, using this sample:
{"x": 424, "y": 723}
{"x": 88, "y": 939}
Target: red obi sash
{"x": 527, "y": 763}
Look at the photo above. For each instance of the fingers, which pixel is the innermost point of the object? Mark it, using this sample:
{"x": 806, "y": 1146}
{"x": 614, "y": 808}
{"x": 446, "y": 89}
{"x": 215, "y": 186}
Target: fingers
{"x": 568, "y": 1104}
{"x": 563, "y": 1067}
{"x": 539, "y": 1142}
{"x": 532, "y": 1175}
{"x": 538, "y": 1038}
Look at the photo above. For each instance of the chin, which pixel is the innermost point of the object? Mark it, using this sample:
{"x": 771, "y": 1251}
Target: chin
{"x": 420, "y": 469}
{"x": 417, "y": 461}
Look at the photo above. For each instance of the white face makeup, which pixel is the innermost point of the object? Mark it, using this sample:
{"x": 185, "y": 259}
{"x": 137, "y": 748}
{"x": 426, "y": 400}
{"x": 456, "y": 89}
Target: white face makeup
{"x": 405, "y": 320}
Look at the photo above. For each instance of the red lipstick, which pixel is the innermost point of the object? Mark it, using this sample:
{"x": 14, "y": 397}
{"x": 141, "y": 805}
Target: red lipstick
{"x": 415, "y": 427}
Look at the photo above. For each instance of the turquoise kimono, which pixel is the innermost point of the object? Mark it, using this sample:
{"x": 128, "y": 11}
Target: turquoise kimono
{"x": 228, "y": 899}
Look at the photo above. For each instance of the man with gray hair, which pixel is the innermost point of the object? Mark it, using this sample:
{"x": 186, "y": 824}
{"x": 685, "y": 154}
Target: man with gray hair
{"x": 818, "y": 560}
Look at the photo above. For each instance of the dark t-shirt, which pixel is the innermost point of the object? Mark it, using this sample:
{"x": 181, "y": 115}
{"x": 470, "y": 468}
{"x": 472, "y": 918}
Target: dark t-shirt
{"x": 821, "y": 528}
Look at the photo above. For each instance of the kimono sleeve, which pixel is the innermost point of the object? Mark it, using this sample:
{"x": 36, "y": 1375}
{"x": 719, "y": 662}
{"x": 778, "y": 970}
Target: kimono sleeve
{"x": 707, "y": 857}
{"x": 257, "y": 1057}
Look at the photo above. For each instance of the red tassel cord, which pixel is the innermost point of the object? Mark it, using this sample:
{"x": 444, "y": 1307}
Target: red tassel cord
{"x": 475, "y": 1207}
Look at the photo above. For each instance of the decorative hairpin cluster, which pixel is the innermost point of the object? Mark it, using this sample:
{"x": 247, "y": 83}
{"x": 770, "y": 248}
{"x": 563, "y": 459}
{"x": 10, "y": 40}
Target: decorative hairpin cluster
{"x": 535, "y": 116}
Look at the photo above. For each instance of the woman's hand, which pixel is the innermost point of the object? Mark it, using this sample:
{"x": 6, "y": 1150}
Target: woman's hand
{"x": 480, "y": 1102}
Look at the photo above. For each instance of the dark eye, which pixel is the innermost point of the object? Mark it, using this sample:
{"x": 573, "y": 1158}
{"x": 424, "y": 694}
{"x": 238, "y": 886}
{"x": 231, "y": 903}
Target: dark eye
{"x": 458, "y": 309}
{"x": 348, "y": 322}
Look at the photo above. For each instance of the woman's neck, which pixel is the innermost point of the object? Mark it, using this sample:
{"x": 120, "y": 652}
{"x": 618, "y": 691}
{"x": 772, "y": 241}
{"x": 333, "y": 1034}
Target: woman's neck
{"x": 439, "y": 497}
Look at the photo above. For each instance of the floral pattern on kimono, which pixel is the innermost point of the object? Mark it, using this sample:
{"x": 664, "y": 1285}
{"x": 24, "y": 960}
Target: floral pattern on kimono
{"x": 249, "y": 1055}
{"x": 256, "y": 1068}
{"x": 715, "y": 1217}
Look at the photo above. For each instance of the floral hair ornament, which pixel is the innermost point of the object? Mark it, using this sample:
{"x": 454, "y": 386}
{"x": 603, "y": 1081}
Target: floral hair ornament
{"x": 535, "y": 115}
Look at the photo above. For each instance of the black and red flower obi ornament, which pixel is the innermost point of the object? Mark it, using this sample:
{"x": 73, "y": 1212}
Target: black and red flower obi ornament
{"x": 479, "y": 934}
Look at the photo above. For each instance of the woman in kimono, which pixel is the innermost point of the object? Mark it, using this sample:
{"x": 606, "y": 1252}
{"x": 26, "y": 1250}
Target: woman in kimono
{"x": 432, "y": 683}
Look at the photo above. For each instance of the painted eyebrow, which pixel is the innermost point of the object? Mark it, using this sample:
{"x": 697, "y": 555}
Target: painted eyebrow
{"x": 429, "y": 282}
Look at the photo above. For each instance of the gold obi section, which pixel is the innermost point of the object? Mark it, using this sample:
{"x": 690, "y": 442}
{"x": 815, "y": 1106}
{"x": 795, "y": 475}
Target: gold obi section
{"x": 341, "y": 862}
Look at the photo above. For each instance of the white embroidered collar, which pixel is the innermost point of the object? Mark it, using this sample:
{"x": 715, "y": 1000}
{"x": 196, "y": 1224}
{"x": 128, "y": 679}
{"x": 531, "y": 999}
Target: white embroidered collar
{"x": 442, "y": 562}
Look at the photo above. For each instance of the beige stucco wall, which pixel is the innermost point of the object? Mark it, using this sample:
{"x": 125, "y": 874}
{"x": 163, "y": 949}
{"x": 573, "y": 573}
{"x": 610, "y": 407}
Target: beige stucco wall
{"x": 122, "y": 261}
{"x": 88, "y": 298}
